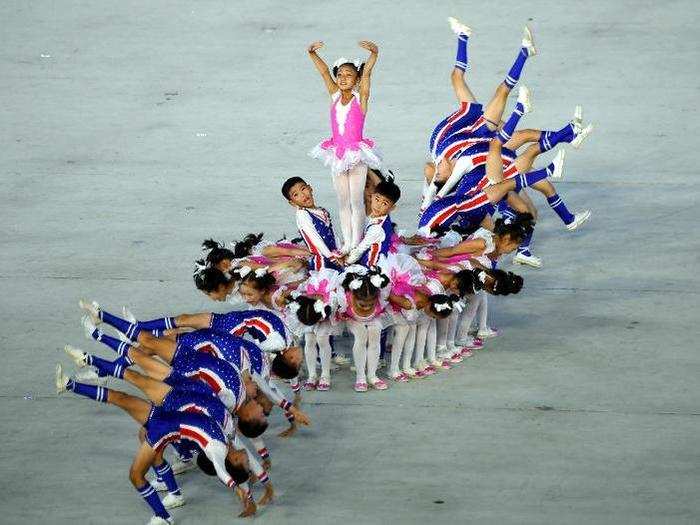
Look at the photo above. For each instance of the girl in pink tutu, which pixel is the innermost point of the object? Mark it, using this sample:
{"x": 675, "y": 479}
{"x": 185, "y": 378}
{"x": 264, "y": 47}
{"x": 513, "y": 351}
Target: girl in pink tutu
{"x": 347, "y": 152}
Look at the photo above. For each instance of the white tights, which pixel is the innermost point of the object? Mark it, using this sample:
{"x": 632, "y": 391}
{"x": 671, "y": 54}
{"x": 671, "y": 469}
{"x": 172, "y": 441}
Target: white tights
{"x": 401, "y": 332}
{"x": 446, "y": 331}
{"x": 409, "y": 347}
{"x": 425, "y": 342}
{"x": 476, "y": 301}
{"x": 365, "y": 350}
{"x": 350, "y": 189}
{"x": 313, "y": 343}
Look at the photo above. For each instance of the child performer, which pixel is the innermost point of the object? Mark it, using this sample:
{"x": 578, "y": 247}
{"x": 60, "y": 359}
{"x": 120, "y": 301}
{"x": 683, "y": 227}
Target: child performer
{"x": 314, "y": 224}
{"x": 348, "y": 152}
{"x": 379, "y": 232}
{"x": 321, "y": 290}
{"x": 363, "y": 309}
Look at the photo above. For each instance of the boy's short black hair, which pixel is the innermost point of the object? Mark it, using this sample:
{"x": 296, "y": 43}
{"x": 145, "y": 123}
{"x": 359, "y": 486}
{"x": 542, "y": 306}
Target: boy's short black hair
{"x": 291, "y": 181}
{"x": 389, "y": 189}
{"x": 239, "y": 474}
{"x": 252, "y": 428}
{"x": 282, "y": 369}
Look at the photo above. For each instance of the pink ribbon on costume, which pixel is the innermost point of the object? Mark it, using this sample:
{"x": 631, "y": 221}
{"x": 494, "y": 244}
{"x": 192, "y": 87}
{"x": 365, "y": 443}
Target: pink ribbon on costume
{"x": 320, "y": 289}
{"x": 401, "y": 283}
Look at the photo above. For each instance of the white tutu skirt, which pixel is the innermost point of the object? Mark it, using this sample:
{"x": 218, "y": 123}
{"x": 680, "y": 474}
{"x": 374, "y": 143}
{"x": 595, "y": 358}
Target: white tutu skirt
{"x": 329, "y": 328}
{"x": 401, "y": 269}
{"x": 381, "y": 321}
{"x": 364, "y": 154}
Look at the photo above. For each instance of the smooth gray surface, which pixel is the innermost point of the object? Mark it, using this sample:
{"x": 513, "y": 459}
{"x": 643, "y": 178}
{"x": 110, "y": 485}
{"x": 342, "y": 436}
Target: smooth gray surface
{"x": 108, "y": 184}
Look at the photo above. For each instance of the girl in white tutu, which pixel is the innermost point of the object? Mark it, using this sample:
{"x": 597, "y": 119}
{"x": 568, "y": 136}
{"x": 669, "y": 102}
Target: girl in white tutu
{"x": 323, "y": 287}
{"x": 347, "y": 152}
{"x": 364, "y": 308}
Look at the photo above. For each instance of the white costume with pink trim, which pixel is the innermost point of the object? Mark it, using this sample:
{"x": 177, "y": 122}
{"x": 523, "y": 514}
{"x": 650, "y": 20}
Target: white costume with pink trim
{"x": 326, "y": 284}
{"x": 347, "y": 147}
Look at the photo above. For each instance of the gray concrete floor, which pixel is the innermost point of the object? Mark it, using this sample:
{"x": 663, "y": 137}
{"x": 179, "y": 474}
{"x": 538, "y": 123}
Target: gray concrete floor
{"x": 130, "y": 131}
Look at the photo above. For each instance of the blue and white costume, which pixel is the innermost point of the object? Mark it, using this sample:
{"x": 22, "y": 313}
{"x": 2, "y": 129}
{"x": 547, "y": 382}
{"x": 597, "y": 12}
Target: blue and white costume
{"x": 264, "y": 326}
{"x": 196, "y": 430}
{"x": 316, "y": 228}
{"x": 376, "y": 242}
{"x": 191, "y": 362}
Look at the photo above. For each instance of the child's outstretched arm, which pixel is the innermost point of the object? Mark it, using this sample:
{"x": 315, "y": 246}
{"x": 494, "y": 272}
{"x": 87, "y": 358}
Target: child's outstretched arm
{"x": 322, "y": 68}
{"x": 367, "y": 72}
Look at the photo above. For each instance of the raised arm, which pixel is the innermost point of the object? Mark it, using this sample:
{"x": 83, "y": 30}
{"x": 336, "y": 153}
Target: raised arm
{"x": 367, "y": 72}
{"x": 322, "y": 67}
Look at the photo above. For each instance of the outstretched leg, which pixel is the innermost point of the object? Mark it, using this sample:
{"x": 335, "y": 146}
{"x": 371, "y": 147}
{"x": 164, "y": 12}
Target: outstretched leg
{"x": 459, "y": 85}
{"x": 493, "y": 112}
{"x": 136, "y": 407}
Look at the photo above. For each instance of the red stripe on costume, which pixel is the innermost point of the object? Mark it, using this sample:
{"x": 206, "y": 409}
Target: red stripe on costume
{"x": 210, "y": 379}
{"x": 478, "y": 123}
{"x": 455, "y": 148}
{"x": 510, "y": 172}
{"x": 473, "y": 203}
{"x": 373, "y": 255}
{"x": 162, "y": 442}
{"x": 209, "y": 348}
{"x": 259, "y": 324}
{"x": 463, "y": 109}
{"x": 310, "y": 244}
{"x": 443, "y": 216}
{"x": 192, "y": 434}
{"x": 478, "y": 160}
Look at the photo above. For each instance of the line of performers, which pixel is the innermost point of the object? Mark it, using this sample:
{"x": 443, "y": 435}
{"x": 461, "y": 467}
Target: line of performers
{"x": 417, "y": 302}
